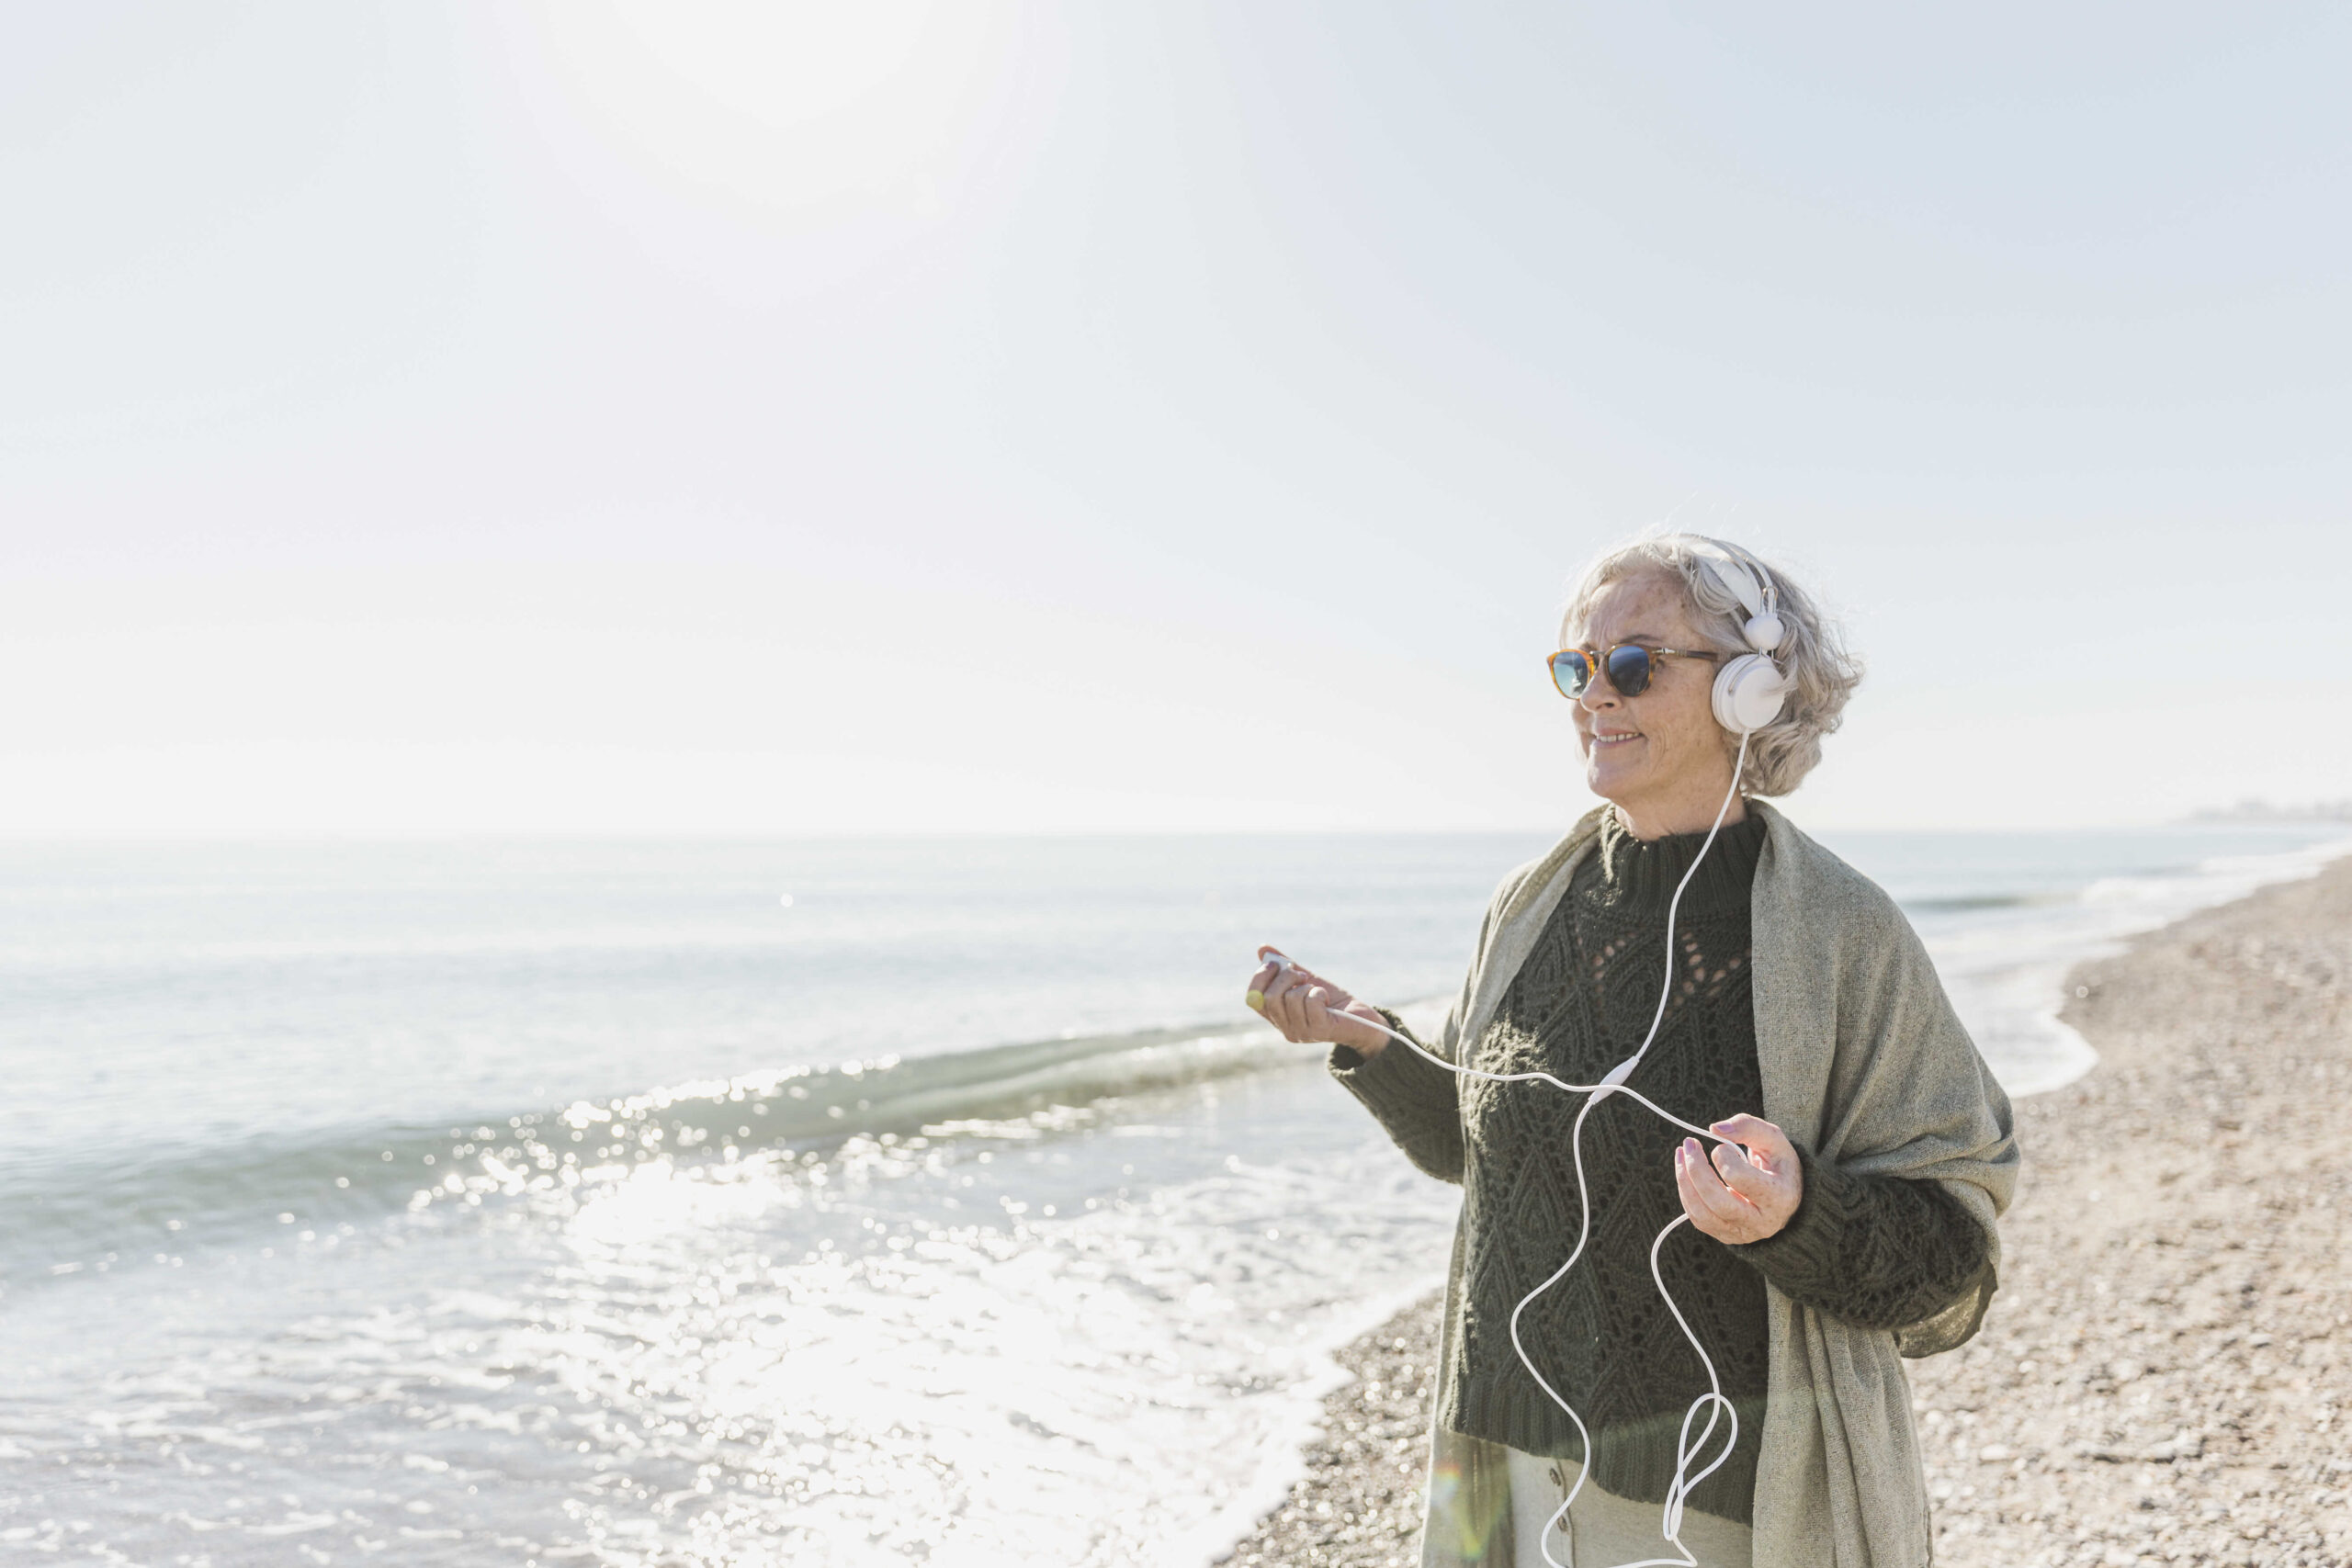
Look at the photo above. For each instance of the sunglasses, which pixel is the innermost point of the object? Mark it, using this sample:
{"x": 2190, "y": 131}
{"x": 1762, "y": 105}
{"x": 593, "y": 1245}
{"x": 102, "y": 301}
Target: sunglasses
{"x": 1629, "y": 666}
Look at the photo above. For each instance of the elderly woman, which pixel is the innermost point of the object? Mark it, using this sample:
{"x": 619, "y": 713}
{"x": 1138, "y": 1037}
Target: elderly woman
{"x": 1842, "y": 1217}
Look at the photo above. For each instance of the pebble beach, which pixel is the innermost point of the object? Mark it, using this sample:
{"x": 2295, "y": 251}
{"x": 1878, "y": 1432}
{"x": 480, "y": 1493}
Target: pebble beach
{"x": 2164, "y": 1376}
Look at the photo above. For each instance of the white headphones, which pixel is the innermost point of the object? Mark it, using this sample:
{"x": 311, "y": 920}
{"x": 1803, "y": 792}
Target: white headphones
{"x": 1750, "y": 689}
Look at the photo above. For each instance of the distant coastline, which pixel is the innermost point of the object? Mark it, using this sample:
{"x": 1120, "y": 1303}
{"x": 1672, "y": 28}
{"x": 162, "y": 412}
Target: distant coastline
{"x": 2265, "y": 811}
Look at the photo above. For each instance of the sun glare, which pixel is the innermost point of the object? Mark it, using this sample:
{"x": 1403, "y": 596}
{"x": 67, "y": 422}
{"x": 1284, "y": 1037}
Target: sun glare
{"x": 778, "y": 106}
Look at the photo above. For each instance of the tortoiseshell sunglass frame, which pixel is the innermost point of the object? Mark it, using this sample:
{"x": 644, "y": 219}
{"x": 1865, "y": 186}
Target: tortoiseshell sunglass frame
{"x": 1589, "y": 665}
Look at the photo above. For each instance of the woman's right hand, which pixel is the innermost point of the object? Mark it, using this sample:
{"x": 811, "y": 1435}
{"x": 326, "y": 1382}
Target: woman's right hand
{"x": 1309, "y": 1010}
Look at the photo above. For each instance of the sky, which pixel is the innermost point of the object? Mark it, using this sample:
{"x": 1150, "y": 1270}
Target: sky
{"x": 664, "y": 418}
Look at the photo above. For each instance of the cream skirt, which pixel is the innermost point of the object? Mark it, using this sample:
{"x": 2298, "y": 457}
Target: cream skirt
{"x": 1488, "y": 1505}
{"x": 1604, "y": 1531}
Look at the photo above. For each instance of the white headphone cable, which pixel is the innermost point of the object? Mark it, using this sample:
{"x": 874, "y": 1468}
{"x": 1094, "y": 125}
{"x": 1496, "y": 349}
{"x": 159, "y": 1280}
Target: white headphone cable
{"x": 1686, "y": 1450}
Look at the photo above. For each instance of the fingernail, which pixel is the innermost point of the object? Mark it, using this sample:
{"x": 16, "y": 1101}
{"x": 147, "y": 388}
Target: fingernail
{"x": 1257, "y": 1000}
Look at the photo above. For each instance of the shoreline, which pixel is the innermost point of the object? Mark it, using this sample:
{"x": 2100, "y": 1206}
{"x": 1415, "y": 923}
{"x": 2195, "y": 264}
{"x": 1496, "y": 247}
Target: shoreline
{"x": 2163, "y": 1377}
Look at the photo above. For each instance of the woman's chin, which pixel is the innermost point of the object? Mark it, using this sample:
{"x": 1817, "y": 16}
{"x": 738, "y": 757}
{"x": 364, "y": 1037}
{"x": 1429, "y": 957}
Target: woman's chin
{"x": 1612, "y": 784}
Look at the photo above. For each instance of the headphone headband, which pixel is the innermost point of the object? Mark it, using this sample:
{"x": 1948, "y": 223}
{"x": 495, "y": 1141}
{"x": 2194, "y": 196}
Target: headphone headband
{"x": 1740, "y": 573}
{"x": 1749, "y": 691}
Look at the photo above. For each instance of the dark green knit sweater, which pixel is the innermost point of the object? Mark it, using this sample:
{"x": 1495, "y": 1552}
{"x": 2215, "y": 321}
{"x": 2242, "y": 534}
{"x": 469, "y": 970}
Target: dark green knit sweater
{"x": 1877, "y": 1251}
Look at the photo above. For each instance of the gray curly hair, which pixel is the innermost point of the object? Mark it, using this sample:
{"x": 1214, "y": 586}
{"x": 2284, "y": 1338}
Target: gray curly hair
{"x": 1822, "y": 674}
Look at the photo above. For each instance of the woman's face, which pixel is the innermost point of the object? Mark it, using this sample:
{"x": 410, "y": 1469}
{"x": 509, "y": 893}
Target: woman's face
{"x": 1660, "y": 757}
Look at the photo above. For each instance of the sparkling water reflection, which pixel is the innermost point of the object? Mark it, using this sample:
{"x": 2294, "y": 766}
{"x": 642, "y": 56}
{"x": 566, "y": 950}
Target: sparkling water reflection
{"x": 987, "y": 1344}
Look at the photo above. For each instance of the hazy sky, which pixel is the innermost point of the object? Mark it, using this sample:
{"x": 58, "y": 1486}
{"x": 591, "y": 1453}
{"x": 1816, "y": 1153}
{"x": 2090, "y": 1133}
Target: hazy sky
{"x": 654, "y": 417}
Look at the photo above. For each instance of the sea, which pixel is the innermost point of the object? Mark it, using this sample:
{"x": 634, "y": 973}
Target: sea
{"x": 855, "y": 1202}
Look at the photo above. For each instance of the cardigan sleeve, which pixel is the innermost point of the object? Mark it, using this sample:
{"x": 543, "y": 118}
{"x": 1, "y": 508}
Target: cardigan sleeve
{"x": 1412, "y": 1098}
{"x": 1875, "y": 1251}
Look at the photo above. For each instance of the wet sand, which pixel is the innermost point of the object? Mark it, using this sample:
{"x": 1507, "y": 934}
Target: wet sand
{"x": 2164, "y": 1375}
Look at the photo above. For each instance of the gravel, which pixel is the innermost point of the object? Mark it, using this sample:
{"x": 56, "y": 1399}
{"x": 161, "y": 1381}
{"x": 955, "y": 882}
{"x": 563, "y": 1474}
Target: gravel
{"x": 1360, "y": 1502}
{"x": 2164, "y": 1376}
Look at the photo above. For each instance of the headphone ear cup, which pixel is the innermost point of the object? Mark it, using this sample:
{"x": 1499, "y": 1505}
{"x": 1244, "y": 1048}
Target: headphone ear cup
{"x": 1749, "y": 694}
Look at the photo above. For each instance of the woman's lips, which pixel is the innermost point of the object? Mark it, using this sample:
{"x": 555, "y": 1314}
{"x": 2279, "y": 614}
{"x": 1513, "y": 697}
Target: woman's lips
{"x": 1602, "y": 739}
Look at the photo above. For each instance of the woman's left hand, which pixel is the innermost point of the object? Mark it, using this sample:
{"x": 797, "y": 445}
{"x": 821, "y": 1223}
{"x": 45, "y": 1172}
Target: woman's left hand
{"x": 1741, "y": 1194}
